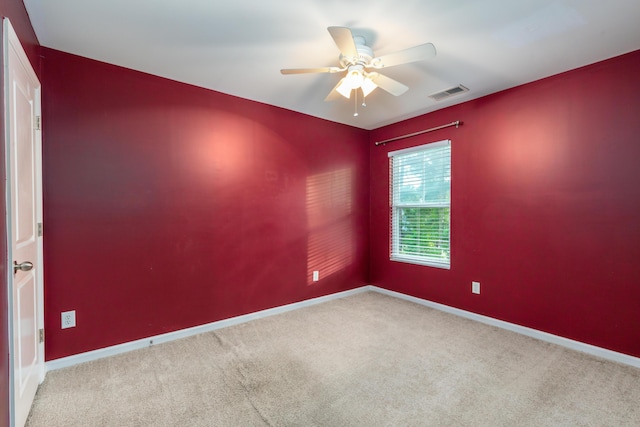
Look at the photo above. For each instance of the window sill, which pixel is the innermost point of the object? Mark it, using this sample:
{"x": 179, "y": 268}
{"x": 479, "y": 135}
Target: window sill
{"x": 421, "y": 261}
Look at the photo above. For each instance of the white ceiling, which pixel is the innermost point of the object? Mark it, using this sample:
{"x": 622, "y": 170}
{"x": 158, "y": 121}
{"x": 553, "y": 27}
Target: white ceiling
{"x": 238, "y": 47}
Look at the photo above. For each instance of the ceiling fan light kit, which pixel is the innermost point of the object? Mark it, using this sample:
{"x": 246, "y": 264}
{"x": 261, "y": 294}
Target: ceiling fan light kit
{"x": 356, "y": 58}
{"x": 356, "y": 78}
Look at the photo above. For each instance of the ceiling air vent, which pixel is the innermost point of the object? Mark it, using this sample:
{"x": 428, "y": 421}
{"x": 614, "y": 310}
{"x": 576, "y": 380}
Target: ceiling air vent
{"x": 439, "y": 96}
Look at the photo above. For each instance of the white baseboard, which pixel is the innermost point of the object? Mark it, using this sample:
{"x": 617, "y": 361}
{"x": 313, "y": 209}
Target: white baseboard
{"x": 523, "y": 330}
{"x": 65, "y": 362}
{"x": 171, "y": 336}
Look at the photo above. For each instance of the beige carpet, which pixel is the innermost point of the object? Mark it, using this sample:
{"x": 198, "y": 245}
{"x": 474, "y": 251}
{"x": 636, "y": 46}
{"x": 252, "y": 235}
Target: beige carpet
{"x": 365, "y": 360}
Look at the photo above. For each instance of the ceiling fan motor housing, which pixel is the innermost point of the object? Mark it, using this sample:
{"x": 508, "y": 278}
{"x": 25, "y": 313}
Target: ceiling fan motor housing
{"x": 365, "y": 54}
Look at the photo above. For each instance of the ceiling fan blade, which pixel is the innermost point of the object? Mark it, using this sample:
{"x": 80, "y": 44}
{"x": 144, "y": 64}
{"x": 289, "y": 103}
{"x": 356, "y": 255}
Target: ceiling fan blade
{"x": 311, "y": 70}
{"x": 344, "y": 40}
{"x": 412, "y": 54}
{"x": 334, "y": 94}
{"x": 392, "y": 86}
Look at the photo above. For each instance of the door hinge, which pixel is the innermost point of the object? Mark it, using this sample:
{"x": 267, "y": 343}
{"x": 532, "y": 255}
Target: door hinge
{"x": 40, "y": 336}
{"x": 37, "y": 122}
{"x": 39, "y": 229}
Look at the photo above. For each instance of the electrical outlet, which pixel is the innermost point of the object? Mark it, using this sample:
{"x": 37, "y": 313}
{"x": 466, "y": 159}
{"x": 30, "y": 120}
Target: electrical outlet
{"x": 68, "y": 319}
{"x": 316, "y": 276}
{"x": 475, "y": 287}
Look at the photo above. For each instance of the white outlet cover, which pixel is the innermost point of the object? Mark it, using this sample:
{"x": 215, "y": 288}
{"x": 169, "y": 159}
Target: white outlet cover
{"x": 475, "y": 287}
{"x": 68, "y": 319}
{"x": 316, "y": 276}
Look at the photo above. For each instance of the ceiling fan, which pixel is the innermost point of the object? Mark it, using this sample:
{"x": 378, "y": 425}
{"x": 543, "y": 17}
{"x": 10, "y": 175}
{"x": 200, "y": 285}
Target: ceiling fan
{"x": 357, "y": 59}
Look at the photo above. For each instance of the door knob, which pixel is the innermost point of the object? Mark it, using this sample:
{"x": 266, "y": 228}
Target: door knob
{"x": 23, "y": 266}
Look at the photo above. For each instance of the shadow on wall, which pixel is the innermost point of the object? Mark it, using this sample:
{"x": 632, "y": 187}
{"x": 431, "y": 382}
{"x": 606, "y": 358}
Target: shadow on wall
{"x": 331, "y": 245}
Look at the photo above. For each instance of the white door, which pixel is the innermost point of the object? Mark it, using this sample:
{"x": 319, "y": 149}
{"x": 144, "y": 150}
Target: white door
{"x": 24, "y": 212}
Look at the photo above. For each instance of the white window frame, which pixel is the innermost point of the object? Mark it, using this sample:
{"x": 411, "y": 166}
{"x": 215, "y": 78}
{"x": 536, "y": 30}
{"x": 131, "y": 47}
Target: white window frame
{"x": 396, "y": 205}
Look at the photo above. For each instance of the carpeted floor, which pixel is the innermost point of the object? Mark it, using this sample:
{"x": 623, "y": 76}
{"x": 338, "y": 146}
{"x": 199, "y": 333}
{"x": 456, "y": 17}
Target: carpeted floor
{"x": 364, "y": 360}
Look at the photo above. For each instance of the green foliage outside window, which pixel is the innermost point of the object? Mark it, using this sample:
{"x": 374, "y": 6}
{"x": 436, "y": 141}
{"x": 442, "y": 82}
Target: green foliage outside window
{"x": 424, "y": 232}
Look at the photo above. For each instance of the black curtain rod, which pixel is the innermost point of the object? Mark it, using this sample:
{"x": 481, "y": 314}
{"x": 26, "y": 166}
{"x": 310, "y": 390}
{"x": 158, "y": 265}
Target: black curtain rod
{"x": 457, "y": 123}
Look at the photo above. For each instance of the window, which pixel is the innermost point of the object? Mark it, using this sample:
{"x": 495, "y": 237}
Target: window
{"x": 420, "y": 204}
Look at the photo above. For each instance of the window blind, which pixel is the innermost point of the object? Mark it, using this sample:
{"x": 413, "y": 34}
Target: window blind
{"x": 420, "y": 204}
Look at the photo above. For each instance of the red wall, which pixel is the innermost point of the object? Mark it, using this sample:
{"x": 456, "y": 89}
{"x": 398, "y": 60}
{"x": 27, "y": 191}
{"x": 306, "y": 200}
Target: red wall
{"x": 545, "y": 206}
{"x": 17, "y": 14}
{"x": 169, "y": 206}
{"x": 225, "y": 205}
